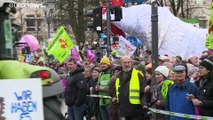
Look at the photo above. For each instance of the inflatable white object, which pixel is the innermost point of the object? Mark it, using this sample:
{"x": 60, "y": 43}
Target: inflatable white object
{"x": 175, "y": 36}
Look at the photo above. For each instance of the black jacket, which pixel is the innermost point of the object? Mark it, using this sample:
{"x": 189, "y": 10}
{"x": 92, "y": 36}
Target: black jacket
{"x": 95, "y": 101}
{"x": 75, "y": 92}
{"x": 205, "y": 94}
{"x": 126, "y": 109}
{"x": 90, "y": 83}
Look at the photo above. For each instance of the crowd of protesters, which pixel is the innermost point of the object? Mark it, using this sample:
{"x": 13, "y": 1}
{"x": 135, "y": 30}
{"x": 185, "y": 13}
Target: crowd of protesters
{"x": 182, "y": 86}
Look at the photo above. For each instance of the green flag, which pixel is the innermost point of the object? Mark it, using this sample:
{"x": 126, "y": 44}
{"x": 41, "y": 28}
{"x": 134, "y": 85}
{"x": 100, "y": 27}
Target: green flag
{"x": 209, "y": 37}
{"x": 60, "y": 45}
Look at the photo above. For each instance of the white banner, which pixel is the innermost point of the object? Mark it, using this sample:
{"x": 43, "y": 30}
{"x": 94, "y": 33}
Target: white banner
{"x": 175, "y": 36}
{"x": 21, "y": 99}
{"x": 124, "y": 47}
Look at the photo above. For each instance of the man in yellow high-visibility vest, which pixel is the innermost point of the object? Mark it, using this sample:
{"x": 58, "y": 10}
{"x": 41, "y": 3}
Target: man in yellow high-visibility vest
{"x": 129, "y": 91}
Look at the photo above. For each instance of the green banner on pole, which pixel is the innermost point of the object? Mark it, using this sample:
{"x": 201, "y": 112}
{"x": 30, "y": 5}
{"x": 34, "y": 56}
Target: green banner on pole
{"x": 60, "y": 45}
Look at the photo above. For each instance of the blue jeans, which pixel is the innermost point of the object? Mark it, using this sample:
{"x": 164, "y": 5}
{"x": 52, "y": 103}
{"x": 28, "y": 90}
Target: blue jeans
{"x": 76, "y": 112}
{"x": 104, "y": 112}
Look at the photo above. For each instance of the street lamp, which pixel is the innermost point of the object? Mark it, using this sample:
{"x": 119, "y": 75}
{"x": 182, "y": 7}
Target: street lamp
{"x": 49, "y": 6}
{"x": 154, "y": 19}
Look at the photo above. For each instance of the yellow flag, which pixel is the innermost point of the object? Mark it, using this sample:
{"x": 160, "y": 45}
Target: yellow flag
{"x": 209, "y": 37}
{"x": 60, "y": 46}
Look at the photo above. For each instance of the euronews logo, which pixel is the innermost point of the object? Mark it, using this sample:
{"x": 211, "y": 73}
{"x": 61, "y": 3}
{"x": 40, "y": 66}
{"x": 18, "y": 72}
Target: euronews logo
{"x": 26, "y": 5}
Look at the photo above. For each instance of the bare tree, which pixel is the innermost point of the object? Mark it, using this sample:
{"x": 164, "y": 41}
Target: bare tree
{"x": 72, "y": 12}
{"x": 179, "y": 8}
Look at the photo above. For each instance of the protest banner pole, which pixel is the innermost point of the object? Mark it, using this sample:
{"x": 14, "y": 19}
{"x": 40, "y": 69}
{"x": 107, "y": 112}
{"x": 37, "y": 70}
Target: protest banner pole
{"x": 108, "y": 27}
{"x": 154, "y": 19}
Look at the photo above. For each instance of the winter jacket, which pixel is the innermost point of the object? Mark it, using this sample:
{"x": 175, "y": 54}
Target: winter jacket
{"x": 126, "y": 109}
{"x": 205, "y": 94}
{"x": 75, "y": 91}
{"x": 95, "y": 102}
{"x": 159, "y": 92}
{"x": 90, "y": 83}
{"x": 177, "y": 99}
{"x": 88, "y": 101}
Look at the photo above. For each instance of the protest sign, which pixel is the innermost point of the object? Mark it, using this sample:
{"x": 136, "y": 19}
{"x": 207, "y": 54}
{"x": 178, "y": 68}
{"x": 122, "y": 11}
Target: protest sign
{"x": 21, "y": 99}
{"x": 124, "y": 47}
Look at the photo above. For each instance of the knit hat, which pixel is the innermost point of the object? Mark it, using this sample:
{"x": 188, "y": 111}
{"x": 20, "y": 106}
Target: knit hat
{"x": 141, "y": 67}
{"x": 105, "y": 59}
{"x": 207, "y": 63}
{"x": 163, "y": 70}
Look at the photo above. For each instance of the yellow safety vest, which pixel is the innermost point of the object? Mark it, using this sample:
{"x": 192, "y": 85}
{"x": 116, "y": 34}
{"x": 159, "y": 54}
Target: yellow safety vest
{"x": 134, "y": 87}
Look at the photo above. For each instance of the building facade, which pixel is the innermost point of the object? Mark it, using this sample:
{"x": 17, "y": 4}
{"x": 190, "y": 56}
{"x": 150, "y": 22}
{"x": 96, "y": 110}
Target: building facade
{"x": 199, "y": 9}
{"x": 32, "y": 18}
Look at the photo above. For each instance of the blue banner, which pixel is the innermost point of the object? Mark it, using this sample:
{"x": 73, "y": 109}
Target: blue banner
{"x": 134, "y": 40}
{"x": 135, "y": 1}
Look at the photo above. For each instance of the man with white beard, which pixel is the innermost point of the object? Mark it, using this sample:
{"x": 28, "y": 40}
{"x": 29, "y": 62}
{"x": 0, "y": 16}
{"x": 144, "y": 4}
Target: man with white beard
{"x": 129, "y": 91}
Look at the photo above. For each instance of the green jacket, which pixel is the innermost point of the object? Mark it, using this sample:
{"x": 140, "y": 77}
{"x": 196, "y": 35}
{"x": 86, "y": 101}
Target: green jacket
{"x": 103, "y": 80}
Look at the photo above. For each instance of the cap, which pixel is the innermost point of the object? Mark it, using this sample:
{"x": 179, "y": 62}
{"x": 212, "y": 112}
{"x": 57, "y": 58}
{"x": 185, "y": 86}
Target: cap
{"x": 178, "y": 68}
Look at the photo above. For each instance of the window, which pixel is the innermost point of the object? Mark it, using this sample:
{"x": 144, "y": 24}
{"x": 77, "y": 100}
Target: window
{"x": 30, "y": 29}
{"x": 203, "y": 23}
{"x": 30, "y": 16}
{"x": 39, "y": 21}
{"x": 30, "y": 22}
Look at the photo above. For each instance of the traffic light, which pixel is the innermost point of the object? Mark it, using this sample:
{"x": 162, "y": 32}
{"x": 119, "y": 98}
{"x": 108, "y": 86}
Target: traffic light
{"x": 99, "y": 55}
{"x": 96, "y": 14}
{"x": 117, "y": 11}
